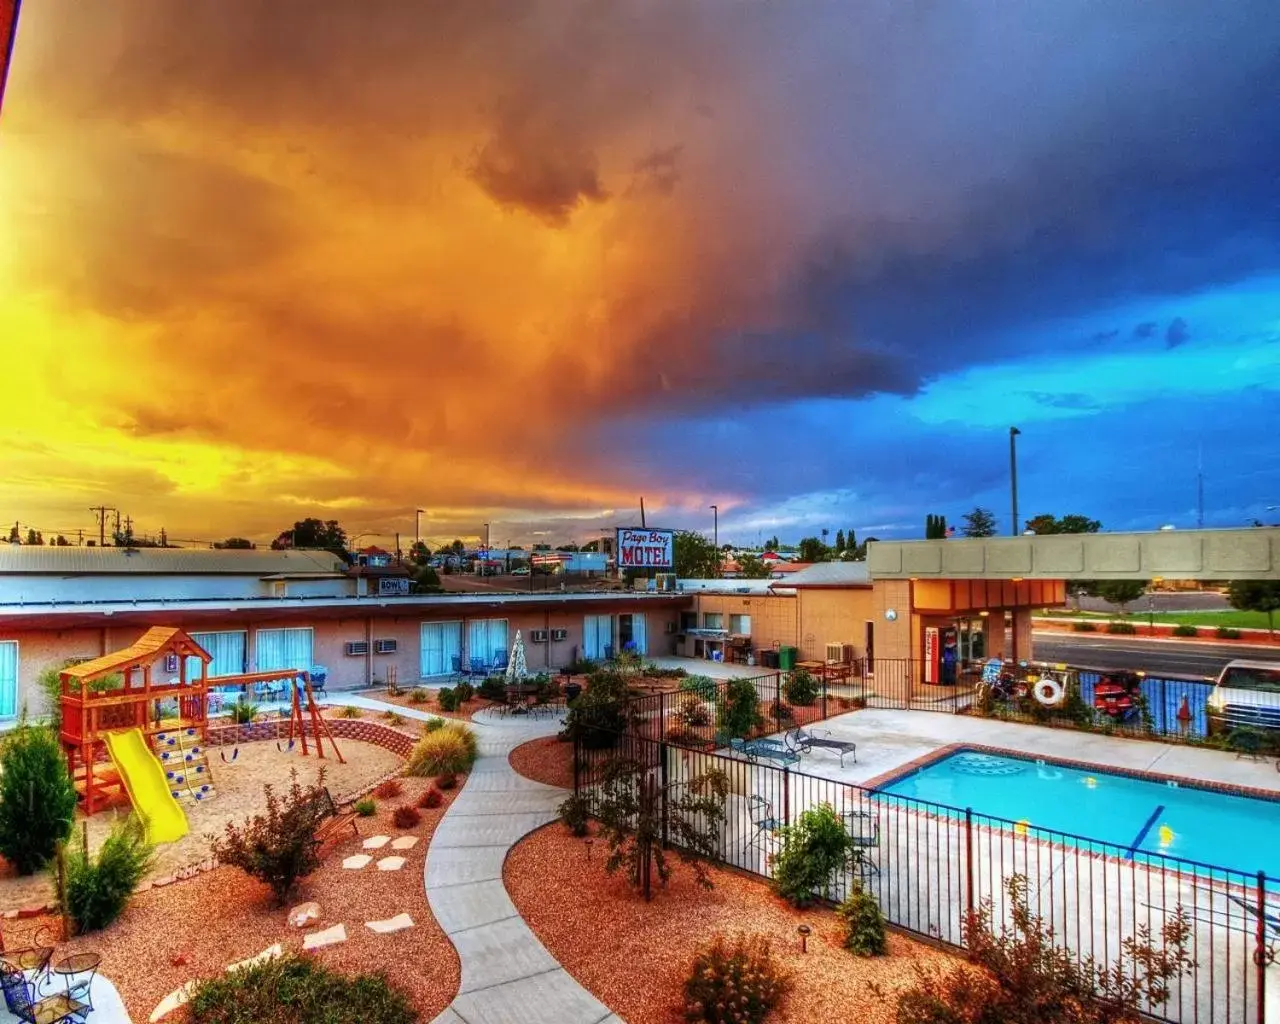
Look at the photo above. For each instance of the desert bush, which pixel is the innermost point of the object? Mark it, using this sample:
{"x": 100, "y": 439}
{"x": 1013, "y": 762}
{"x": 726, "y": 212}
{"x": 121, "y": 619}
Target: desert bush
{"x": 1121, "y": 628}
{"x": 418, "y": 695}
{"x": 1183, "y": 629}
{"x": 393, "y": 718}
{"x": 405, "y": 816}
{"x": 278, "y": 847}
{"x": 388, "y": 789}
{"x": 573, "y": 814}
{"x": 494, "y": 689}
{"x": 349, "y": 711}
{"x": 451, "y": 748}
{"x": 98, "y": 888}
{"x": 431, "y": 797}
{"x": 50, "y": 684}
{"x": 738, "y": 982}
{"x": 366, "y": 808}
{"x": 801, "y": 688}
{"x": 447, "y": 698}
{"x": 296, "y": 989}
{"x": 243, "y": 711}
{"x": 433, "y": 725}
{"x": 703, "y": 686}
{"x": 1084, "y": 627}
{"x": 598, "y": 717}
{"x": 446, "y": 780}
{"x": 464, "y": 691}
{"x": 739, "y": 713}
{"x": 1227, "y": 633}
{"x": 37, "y": 798}
{"x": 1022, "y": 977}
{"x": 864, "y": 924}
{"x": 813, "y": 850}
{"x": 582, "y": 667}
{"x": 692, "y": 712}
{"x": 781, "y": 712}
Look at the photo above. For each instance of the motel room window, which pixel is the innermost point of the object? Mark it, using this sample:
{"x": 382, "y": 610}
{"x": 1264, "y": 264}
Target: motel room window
{"x": 712, "y": 620}
{"x": 284, "y": 648}
{"x": 631, "y": 630}
{"x": 441, "y": 646}
{"x": 8, "y": 678}
{"x": 487, "y": 640}
{"x": 597, "y": 636}
{"x": 688, "y": 621}
{"x": 230, "y": 651}
{"x": 740, "y": 625}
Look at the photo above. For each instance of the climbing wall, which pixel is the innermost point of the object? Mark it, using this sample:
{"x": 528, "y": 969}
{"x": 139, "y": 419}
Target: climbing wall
{"x": 186, "y": 764}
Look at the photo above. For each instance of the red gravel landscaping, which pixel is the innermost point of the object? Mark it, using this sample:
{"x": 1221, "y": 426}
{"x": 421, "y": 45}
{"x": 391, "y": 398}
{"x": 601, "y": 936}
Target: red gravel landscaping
{"x": 197, "y": 927}
{"x": 636, "y": 962}
{"x": 545, "y": 760}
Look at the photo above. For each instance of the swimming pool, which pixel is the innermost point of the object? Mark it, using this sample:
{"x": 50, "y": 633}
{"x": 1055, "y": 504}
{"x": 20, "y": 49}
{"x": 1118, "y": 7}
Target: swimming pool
{"x": 1139, "y": 816}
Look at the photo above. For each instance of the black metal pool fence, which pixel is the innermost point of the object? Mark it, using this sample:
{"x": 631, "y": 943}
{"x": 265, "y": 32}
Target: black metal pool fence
{"x": 929, "y": 864}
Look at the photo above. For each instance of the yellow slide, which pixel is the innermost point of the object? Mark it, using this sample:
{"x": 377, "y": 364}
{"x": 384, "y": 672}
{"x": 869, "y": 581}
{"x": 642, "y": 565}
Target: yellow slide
{"x": 144, "y": 780}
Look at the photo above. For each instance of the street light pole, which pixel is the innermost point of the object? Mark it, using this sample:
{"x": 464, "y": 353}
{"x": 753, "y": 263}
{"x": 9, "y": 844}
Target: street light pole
{"x": 715, "y": 535}
{"x": 417, "y": 526}
{"x": 1013, "y": 477}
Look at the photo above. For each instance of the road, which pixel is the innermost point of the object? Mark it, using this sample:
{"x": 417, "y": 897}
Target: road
{"x": 1153, "y": 656}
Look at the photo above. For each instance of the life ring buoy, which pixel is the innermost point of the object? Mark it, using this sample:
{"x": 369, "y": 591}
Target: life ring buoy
{"x": 1049, "y": 692}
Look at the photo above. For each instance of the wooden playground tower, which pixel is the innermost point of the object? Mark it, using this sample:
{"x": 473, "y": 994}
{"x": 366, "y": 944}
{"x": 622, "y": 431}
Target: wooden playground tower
{"x": 137, "y": 701}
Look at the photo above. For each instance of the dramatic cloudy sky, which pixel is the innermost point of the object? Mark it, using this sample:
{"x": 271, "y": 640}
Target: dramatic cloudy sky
{"x": 525, "y": 260}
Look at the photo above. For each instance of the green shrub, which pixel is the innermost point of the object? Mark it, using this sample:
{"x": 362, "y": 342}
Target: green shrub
{"x": 864, "y": 924}
{"x": 37, "y": 798}
{"x": 418, "y": 695}
{"x": 464, "y": 692}
{"x": 493, "y": 689}
{"x": 582, "y": 667}
{"x": 813, "y": 850}
{"x": 1084, "y": 627}
{"x": 433, "y": 725}
{"x": 97, "y": 889}
{"x": 348, "y": 711}
{"x": 1183, "y": 629}
{"x": 692, "y": 712}
{"x": 1228, "y": 633}
{"x": 366, "y": 808}
{"x": 393, "y": 718}
{"x": 243, "y": 711}
{"x": 598, "y": 717}
{"x": 801, "y": 688}
{"x": 573, "y": 813}
{"x": 703, "y": 686}
{"x": 1122, "y": 628}
{"x": 277, "y": 847}
{"x": 451, "y": 748}
{"x": 50, "y": 685}
{"x": 296, "y": 989}
{"x": 734, "y": 983}
{"x": 739, "y": 713}
{"x": 447, "y": 698}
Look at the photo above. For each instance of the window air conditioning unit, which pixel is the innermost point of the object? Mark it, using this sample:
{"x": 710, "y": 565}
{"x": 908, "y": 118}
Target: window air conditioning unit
{"x": 538, "y": 636}
{"x": 839, "y": 654}
{"x": 384, "y": 646}
{"x": 356, "y": 648}
{"x": 559, "y": 634}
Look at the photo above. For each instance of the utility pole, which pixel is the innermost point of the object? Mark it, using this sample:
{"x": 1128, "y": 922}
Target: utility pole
{"x": 1200, "y": 488}
{"x": 715, "y": 535}
{"x": 100, "y": 511}
{"x": 1014, "y": 529}
{"x": 417, "y": 526}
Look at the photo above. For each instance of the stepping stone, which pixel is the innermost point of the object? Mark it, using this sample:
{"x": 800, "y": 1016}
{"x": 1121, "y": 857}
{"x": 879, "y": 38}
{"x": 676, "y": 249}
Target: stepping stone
{"x": 376, "y": 842}
{"x": 304, "y": 913}
{"x": 178, "y": 997}
{"x": 328, "y": 937}
{"x": 270, "y": 953}
{"x": 392, "y": 924}
{"x": 405, "y": 843}
{"x": 356, "y": 861}
{"x": 391, "y": 864}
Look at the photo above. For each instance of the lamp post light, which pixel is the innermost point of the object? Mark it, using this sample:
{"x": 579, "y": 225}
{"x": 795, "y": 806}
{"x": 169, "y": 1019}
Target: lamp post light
{"x": 1013, "y": 477}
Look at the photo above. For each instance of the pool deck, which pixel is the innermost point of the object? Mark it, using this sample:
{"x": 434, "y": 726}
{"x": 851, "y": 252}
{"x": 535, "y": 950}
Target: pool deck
{"x": 892, "y": 740}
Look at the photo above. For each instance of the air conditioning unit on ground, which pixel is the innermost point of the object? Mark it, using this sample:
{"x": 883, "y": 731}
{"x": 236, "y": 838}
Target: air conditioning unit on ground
{"x": 559, "y": 634}
{"x": 356, "y": 648}
{"x": 839, "y": 654}
{"x": 384, "y": 646}
{"x": 538, "y": 636}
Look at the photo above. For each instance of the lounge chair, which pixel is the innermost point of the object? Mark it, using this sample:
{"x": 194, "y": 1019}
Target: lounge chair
{"x": 20, "y": 997}
{"x": 805, "y": 741}
{"x": 764, "y": 750}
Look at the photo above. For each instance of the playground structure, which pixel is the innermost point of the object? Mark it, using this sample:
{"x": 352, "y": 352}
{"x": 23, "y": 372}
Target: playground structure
{"x": 125, "y": 732}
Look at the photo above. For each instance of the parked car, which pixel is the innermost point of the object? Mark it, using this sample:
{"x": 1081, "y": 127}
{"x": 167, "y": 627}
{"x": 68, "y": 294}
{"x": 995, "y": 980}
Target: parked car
{"x": 1247, "y": 693}
{"x": 522, "y": 571}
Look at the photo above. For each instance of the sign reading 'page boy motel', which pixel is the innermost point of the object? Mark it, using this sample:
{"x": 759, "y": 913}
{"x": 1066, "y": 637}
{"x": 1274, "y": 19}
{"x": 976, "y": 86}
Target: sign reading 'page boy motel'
{"x": 646, "y": 549}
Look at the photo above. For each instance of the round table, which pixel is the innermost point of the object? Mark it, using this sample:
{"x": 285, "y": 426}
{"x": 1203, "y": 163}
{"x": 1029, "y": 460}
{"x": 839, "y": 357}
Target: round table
{"x": 78, "y": 963}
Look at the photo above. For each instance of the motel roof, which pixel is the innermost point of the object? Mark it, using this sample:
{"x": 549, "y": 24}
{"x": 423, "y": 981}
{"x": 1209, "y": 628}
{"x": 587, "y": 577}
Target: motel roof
{"x": 107, "y": 561}
{"x": 831, "y": 574}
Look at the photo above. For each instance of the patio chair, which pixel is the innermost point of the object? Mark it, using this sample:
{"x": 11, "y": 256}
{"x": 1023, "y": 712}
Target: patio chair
{"x": 477, "y": 668}
{"x": 805, "y": 741}
{"x": 499, "y": 661}
{"x": 764, "y": 825}
{"x": 456, "y": 671}
{"x": 864, "y": 830}
{"x": 21, "y": 999}
{"x": 319, "y": 676}
{"x": 764, "y": 750}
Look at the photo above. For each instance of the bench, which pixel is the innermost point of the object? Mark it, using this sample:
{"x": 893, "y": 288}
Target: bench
{"x": 333, "y": 820}
{"x": 802, "y": 741}
{"x": 766, "y": 750}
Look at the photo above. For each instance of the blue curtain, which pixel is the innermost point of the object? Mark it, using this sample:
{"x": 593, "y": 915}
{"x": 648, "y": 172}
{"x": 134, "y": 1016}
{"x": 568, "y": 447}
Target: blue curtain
{"x": 485, "y": 638}
{"x": 228, "y": 650}
{"x": 283, "y": 648}
{"x": 8, "y": 679}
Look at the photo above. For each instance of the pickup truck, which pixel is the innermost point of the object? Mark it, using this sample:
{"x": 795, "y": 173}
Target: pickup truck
{"x": 1247, "y": 693}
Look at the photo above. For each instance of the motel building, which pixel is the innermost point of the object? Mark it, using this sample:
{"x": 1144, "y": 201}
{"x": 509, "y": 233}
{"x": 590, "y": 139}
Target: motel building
{"x": 926, "y": 612}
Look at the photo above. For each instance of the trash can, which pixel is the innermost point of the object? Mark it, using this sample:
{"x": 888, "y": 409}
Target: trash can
{"x": 769, "y": 658}
{"x": 787, "y": 658}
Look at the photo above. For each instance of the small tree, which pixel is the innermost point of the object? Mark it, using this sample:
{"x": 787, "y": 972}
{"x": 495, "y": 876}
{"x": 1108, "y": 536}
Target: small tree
{"x": 1072, "y": 523}
{"x": 752, "y": 567}
{"x": 629, "y": 807}
{"x": 1256, "y": 596}
{"x": 1119, "y": 592}
{"x": 695, "y": 556}
{"x": 839, "y": 540}
{"x": 739, "y": 713}
{"x": 812, "y": 549}
{"x": 814, "y": 850}
{"x": 98, "y": 888}
{"x": 981, "y": 522}
{"x": 278, "y": 847}
{"x": 37, "y": 798}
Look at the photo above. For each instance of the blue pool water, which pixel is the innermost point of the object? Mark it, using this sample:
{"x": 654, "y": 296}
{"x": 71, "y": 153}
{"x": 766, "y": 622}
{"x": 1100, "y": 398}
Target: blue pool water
{"x": 1138, "y": 816}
